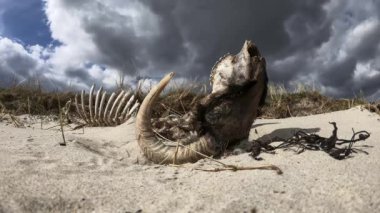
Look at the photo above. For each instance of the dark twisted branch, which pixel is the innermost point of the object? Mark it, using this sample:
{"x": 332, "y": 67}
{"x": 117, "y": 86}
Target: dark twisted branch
{"x": 304, "y": 141}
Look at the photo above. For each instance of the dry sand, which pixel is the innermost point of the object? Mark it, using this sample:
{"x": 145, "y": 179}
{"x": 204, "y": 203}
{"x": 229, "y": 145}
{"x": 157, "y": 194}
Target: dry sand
{"x": 102, "y": 170}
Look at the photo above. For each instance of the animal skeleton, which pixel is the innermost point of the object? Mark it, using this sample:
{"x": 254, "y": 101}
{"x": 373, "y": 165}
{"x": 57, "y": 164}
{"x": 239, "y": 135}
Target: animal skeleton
{"x": 117, "y": 109}
{"x": 239, "y": 84}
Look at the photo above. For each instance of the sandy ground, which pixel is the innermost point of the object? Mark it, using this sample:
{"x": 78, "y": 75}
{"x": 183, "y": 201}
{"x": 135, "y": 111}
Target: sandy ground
{"x": 102, "y": 170}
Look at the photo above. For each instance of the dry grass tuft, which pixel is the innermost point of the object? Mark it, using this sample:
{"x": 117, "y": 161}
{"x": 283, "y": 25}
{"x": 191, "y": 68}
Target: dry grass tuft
{"x": 373, "y": 107}
{"x": 180, "y": 99}
{"x": 29, "y": 100}
{"x": 282, "y": 103}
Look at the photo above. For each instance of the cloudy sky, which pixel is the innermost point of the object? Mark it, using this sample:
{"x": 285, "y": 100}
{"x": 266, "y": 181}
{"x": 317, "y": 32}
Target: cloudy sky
{"x": 333, "y": 45}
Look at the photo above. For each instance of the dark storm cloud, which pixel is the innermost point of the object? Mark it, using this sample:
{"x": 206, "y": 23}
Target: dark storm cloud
{"x": 339, "y": 74}
{"x": 290, "y": 67}
{"x": 123, "y": 49}
{"x": 117, "y": 51}
{"x": 303, "y": 41}
{"x": 214, "y": 28}
{"x": 281, "y": 29}
{"x": 370, "y": 85}
{"x": 78, "y": 73}
{"x": 332, "y": 43}
{"x": 210, "y": 28}
{"x": 367, "y": 45}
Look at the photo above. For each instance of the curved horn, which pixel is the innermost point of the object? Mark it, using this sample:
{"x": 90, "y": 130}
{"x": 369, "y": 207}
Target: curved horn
{"x": 156, "y": 150}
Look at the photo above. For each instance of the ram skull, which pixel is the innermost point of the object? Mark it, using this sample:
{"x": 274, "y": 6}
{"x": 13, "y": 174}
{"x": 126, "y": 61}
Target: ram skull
{"x": 225, "y": 116}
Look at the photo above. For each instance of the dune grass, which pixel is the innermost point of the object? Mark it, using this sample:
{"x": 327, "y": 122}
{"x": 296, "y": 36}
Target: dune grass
{"x": 179, "y": 99}
{"x": 31, "y": 100}
{"x": 303, "y": 101}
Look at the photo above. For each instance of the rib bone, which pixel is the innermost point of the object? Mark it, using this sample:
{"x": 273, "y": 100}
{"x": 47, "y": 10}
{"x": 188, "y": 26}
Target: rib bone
{"x": 90, "y": 102}
{"x": 106, "y": 111}
{"x": 96, "y": 116}
{"x": 122, "y": 102}
{"x": 101, "y": 121}
{"x": 114, "y": 105}
{"x": 83, "y": 107}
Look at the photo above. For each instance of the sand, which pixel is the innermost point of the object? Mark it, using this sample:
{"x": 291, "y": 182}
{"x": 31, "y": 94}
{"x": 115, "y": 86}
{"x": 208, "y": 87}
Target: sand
{"x": 102, "y": 170}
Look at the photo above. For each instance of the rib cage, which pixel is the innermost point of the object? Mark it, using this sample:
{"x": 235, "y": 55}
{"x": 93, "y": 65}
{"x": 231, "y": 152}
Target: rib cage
{"x": 106, "y": 110}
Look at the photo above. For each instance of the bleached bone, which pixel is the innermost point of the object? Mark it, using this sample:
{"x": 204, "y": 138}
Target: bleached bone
{"x": 96, "y": 116}
{"x": 118, "y": 98}
{"x": 106, "y": 111}
{"x": 127, "y": 107}
{"x": 133, "y": 109}
{"x": 90, "y": 102}
{"x": 101, "y": 107}
{"x": 122, "y": 102}
{"x": 83, "y": 107}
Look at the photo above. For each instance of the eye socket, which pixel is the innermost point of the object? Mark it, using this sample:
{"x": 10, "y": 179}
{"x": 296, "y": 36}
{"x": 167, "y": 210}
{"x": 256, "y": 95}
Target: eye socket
{"x": 252, "y": 50}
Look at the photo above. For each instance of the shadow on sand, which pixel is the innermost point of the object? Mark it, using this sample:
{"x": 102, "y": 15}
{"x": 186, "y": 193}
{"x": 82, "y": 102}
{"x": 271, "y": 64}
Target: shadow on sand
{"x": 284, "y": 133}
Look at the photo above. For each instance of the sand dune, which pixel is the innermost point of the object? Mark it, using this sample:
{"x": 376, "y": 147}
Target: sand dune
{"x": 102, "y": 170}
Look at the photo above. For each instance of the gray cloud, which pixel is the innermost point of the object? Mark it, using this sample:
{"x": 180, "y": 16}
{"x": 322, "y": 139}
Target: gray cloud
{"x": 121, "y": 47}
{"x": 16, "y": 63}
{"x": 77, "y": 73}
{"x": 20, "y": 65}
{"x": 334, "y": 44}
{"x": 193, "y": 34}
{"x": 303, "y": 41}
